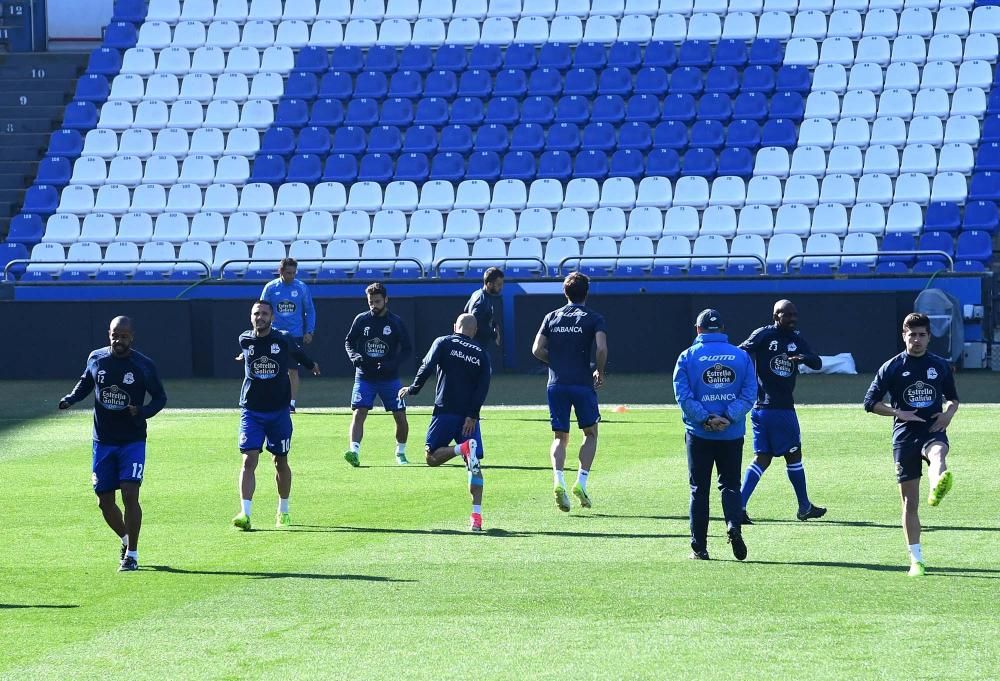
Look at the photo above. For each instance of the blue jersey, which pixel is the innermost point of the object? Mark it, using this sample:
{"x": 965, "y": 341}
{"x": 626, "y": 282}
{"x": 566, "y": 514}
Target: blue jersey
{"x": 570, "y": 331}
{"x": 463, "y": 375}
{"x": 266, "y": 362}
{"x": 481, "y": 305}
{"x": 770, "y": 346}
{"x": 714, "y": 377}
{"x": 920, "y": 384}
{"x": 377, "y": 345}
{"x": 294, "y": 311}
{"x": 117, "y": 384}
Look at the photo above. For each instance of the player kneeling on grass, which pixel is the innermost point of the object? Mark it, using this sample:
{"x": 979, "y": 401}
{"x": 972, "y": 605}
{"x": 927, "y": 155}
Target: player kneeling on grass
{"x": 120, "y": 378}
{"x": 921, "y": 387}
{"x": 463, "y": 380}
{"x": 264, "y": 416}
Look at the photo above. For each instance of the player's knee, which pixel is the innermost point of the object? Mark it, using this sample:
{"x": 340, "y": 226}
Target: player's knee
{"x": 590, "y": 432}
{"x": 106, "y": 501}
{"x": 429, "y": 456}
{"x": 561, "y": 437}
{"x": 762, "y": 461}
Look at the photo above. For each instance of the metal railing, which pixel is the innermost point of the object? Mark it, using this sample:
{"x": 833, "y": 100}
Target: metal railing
{"x": 653, "y": 258}
{"x": 357, "y": 261}
{"x": 438, "y": 263}
{"x": 71, "y": 264}
{"x": 867, "y": 254}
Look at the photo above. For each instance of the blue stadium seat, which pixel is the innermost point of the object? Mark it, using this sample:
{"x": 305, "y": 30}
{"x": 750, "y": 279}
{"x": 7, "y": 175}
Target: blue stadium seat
{"x": 736, "y": 161}
{"x": 486, "y": 57}
{"x": 431, "y": 111}
{"x": 66, "y": 143}
{"x": 105, "y": 61}
{"x": 743, "y": 270}
{"x": 307, "y": 168}
{"x": 347, "y": 58}
{"x": 406, "y": 84}
{"x": 475, "y": 83}
{"x": 627, "y": 55}
{"x": 448, "y": 166}
{"x": 661, "y": 53}
{"x": 991, "y": 128}
{"x": 715, "y": 107}
{"x": 483, "y": 165}
{"x": 686, "y": 80}
{"x": 703, "y": 270}
{"x": 451, "y": 58}
{"x": 528, "y": 137}
{"x": 26, "y": 229}
{"x": 817, "y": 269}
{"x": 678, "y": 107}
{"x": 510, "y": 83}
{"x": 115, "y": 275}
{"x": 699, "y": 162}
{"x": 327, "y": 112}
{"x": 731, "y": 52}
{"x": 974, "y": 246}
{"x": 581, "y": 82}
{"x": 503, "y": 111}
{"x": 313, "y": 140}
{"x": 556, "y": 165}
{"x": 758, "y": 78}
{"x": 935, "y": 241}
{"x": 312, "y": 59}
{"x": 545, "y": 82}
{"x": 633, "y": 135}
{"x": 518, "y": 165}
{"x": 652, "y": 81}
{"x": 301, "y": 85}
{"x": 666, "y": 271}
{"x": 707, "y": 134}
{"x": 539, "y": 110}
{"x": 520, "y": 56}
{"x": 891, "y": 267}
{"x": 397, "y": 112}
{"x": 456, "y": 139}
{"x": 417, "y": 58}
{"x": 258, "y": 273}
{"x": 375, "y": 168}
{"x": 608, "y": 109}
{"x": 336, "y": 85}
{"x": 133, "y": 11}
{"x": 278, "y": 141}
{"x": 751, "y": 106}
{"x": 185, "y": 273}
{"x": 969, "y": 266}
{"x": 269, "y": 169}
{"x": 120, "y": 35}
{"x": 985, "y": 186}
{"x": 54, "y": 170}
{"x": 615, "y": 81}
{"x": 372, "y": 84}
{"x": 778, "y": 268}
{"x": 643, "y": 109}
{"x": 855, "y": 268}
{"x": 385, "y": 139}
{"x": 573, "y": 109}
{"x": 341, "y": 168}
{"x": 743, "y": 133}
{"x": 724, "y": 80}
{"x": 292, "y": 113}
{"x": 779, "y": 132}
{"x": 670, "y": 135}
{"x": 382, "y": 58}
{"x": 414, "y": 167}
{"x": 988, "y": 156}
{"x": 942, "y": 216}
{"x": 441, "y": 84}
{"x": 929, "y": 266}
{"x": 695, "y": 53}
{"x": 41, "y": 199}
{"x": 467, "y": 111}
{"x": 10, "y": 252}
{"x": 981, "y": 216}
{"x": 599, "y": 137}
{"x": 624, "y": 270}
{"x": 663, "y": 163}
{"x": 794, "y": 78}
{"x": 627, "y": 163}
{"x": 37, "y": 277}
{"x": 898, "y": 241}
{"x": 591, "y": 163}
{"x": 421, "y": 139}
{"x": 495, "y": 138}
{"x": 92, "y": 88}
{"x": 80, "y": 116}
{"x": 788, "y": 105}
{"x": 766, "y": 52}
{"x": 590, "y": 56}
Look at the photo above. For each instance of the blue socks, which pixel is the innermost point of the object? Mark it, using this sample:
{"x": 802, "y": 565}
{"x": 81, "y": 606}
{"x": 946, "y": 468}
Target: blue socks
{"x": 797, "y": 476}
{"x": 750, "y": 480}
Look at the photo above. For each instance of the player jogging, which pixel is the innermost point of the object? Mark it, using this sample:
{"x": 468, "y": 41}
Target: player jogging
{"x": 376, "y": 344}
{"x": 921, "y": 388}
{"x": 463, "y": 380}
{"x": 264, "y": 415}
{"x": 564, "y": 342}
{"x": 294, "y": 312}
{"x": 482, "y": 304}
{"x": 777, "y": 350}
{"x": 120, "y": 377}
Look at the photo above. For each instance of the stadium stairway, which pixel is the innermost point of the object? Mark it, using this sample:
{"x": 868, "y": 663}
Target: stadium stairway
{"x": 34, "y": 90}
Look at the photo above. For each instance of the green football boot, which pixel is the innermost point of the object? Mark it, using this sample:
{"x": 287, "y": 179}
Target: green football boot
{"x": 562, "y": 499}
{"x": 942, "y": 487}
{"x": 242, "y": 521}
{"x": 352, "y": 458}
{"x": 580, "y": 493}
{"x": 917, "y": 569}
{"x": 283, "y": 521}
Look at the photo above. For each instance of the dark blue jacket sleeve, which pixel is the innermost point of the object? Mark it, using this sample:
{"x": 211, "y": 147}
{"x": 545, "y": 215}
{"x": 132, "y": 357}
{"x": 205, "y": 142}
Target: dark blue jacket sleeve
{"x": 300, "y": 355}
{"x": 481, "y": 308}
{"x": 357, "y": 359}
{"x": 83, "y": 387}
{"x": 738, "y": 408}
{"x": 427, "y": 367}
{"x": 482, "y": 388}
{"x": 686, "y": 399}
{"x": 809, "y": 358}
{"x": 156, "y": 392}
{"x": 878, "y": 388}
{"x": 750, "y": 344}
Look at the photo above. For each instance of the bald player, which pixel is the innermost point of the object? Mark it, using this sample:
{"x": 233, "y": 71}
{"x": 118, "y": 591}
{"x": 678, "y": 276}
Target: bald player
{"x": 777, "y": 351}
{"x": 119, "y": 378}
{"x": 463, "y": 380}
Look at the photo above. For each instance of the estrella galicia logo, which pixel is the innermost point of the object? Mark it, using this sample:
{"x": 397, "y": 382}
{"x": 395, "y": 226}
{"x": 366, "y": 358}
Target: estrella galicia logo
{"x": 264, "y": 367}
{"x": 114, "y": 398}
{"x": 782, "y": 366}
{"x": 920, "y": 395}
{"x": 376, "y": 348}
{"x": 286, "y": 307}
{"x": 718, "y": 376}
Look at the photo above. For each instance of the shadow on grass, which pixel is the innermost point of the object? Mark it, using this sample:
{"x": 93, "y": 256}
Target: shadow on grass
{"x": 974, "y": 573}
{"x": 272, "y": 575}
{"x": 639, "y": 517}
{"x": 40, "y": 606}
{"x": 881, "y": 526}
{"x": 494, "y": 532}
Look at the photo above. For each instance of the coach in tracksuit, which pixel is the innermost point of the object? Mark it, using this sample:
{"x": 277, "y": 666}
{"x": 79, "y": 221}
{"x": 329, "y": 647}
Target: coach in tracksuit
{"x": 715, "y": 386}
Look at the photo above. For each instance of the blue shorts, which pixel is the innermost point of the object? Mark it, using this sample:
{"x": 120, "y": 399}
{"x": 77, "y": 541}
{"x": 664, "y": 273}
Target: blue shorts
{"x": 909, "y": 456}
{"x": 582, "y": 399}
{"x": 447, "y": 428}
{"x": 115, "y": 464}
{"x": 274, "y": 427}
{"x": 365, "y": 392}
{"x": 775, "y": 432}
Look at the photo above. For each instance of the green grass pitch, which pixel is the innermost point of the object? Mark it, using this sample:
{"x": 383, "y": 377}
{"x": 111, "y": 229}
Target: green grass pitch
{"x": 379, "y": 577}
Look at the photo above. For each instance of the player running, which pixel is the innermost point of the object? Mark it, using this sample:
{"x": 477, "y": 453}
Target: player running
{"x": 264, "y": 416}
{"x": 482, "y": 304}
{"x": 294, "y": 312}
{"x": 120, "y": 377}
{"x": 463, "y": 381}
{"x": 376, "y": 344}
{"x": 564, "y": 342}
{"x": 777, "y": 350}
{"x": 921, "y": 388}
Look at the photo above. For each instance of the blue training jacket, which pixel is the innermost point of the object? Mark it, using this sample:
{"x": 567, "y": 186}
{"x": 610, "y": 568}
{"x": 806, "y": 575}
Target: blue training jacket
{"x": 715, "y": 377}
